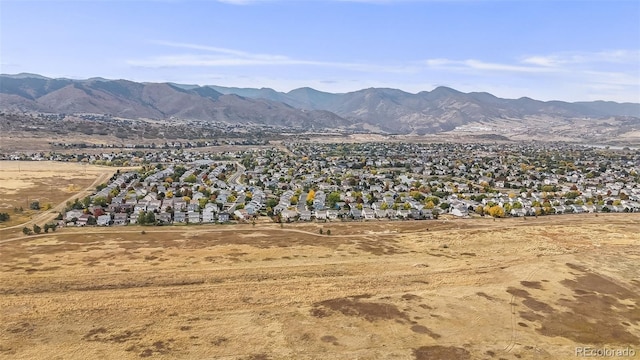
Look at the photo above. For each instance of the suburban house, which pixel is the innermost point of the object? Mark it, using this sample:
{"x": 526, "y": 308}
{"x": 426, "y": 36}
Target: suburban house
{"x": 223, "y": 217}
{"x": 103, "y": 220}
{"x": 180, "y": 217}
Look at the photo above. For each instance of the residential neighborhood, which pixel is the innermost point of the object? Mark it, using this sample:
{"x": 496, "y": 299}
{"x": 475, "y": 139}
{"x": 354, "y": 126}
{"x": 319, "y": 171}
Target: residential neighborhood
{"x": 363, "y": 182}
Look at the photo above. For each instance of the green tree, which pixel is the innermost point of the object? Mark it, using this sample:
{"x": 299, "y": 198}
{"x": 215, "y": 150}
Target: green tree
{"x": 150, "y": 218}
{"x": 271, "y": 202}
{"x": 26, "y": 231}
{"x": 100, "y": 201}
{"x": 333, "y": 199}
{"x": 35, "y": 205}
{"x": 36, "y": 229}
{"x": 142, "y": 218}
{"x": 202, "y": 202}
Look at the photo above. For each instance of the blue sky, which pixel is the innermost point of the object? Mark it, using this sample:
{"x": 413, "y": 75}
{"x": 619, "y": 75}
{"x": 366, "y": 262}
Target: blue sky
{"x": 563, "y": 50}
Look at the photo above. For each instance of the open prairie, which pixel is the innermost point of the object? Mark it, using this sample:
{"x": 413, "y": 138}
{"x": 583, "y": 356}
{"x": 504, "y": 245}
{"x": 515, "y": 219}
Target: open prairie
{"x": 459, "y": 289}
{"x": 22, "y": 182}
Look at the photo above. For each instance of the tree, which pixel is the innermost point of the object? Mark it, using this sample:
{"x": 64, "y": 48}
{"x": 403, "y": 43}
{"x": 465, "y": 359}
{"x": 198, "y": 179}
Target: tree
{"x": 36, "y": 229}
{"x": 271, "y": 202}
{"x": 433, "y": 199}
{"x": 150, "y": 218}
{"x": 311, "y": 195}
{"x": 190, "y": 179}
{"x": 333, "y": 198}
{"x": 100, "y": 200}
{"x": 4, "y": 217}
{"x": 142, "y": 219}
{"x": 26, "y": 231}
{"x": 320, "y": 231}
{"x": 496, "y": 211}
{"x": 328, "y": 231}
{"x": 91, "y": 221}
{"x": 35, "y": 205}
{"x": 507, "y": 208}
{"x": 294, "y": 200}
{"x": 202, "y": 202}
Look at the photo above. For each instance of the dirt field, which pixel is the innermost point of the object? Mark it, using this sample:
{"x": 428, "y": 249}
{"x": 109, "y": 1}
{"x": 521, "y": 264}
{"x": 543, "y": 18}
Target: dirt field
{"x": 464, "y": 289}
{"x": 22, "y": 182}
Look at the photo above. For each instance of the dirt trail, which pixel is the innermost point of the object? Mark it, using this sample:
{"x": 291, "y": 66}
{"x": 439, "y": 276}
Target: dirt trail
{"x": 49, "y": 215}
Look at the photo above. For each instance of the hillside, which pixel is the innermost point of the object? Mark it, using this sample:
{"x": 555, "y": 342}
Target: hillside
{"x": 161, "y": 101}
{"x": 386, "y": 110}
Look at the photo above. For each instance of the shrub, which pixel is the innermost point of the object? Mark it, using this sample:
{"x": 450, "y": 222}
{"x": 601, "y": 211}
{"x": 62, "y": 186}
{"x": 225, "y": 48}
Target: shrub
{"x": 35, "y": 205}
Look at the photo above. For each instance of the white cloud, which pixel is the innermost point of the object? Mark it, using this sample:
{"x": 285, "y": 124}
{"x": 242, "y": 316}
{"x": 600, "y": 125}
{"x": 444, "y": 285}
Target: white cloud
{"x": 546, "y": 63}
{"x": 473, "y": 64}
{"x": 585, "y": 58}
{"x": 607, "y": 75}
{"x": 213, "y": 56}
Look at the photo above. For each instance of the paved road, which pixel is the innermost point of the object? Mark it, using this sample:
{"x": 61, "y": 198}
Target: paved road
{"x": 235, "y": 178}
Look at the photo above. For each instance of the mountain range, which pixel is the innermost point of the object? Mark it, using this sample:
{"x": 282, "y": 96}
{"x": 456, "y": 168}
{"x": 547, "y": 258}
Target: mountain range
{"x": 377, "y": 109}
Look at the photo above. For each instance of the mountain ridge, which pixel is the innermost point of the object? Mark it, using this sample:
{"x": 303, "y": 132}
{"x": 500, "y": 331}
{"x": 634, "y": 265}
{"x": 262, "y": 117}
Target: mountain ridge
{"x": 390, "y": 110}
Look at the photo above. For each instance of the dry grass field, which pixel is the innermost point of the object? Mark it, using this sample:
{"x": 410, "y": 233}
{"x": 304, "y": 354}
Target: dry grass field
{"x": 459, "y": 289}
{"x": 22, "y": 182}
